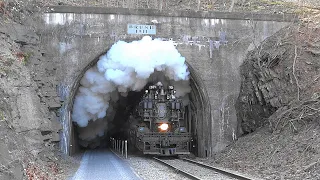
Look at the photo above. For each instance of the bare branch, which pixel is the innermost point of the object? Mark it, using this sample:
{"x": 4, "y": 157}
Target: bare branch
{"x": 293, "y": 71}
{"x": 231, "y": 6}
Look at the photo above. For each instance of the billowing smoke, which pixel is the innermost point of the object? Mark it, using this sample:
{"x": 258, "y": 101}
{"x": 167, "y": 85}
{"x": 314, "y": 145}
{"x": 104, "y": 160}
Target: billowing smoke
{"x": 126, "y": 67}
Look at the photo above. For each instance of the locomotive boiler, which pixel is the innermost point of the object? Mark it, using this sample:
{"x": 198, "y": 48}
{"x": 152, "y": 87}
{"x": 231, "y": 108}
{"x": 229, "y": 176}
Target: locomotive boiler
{"x": 160, "y": 128}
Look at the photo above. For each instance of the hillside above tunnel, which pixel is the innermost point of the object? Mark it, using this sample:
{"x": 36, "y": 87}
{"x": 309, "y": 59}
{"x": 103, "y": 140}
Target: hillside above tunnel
{"x": 261, "y": 6}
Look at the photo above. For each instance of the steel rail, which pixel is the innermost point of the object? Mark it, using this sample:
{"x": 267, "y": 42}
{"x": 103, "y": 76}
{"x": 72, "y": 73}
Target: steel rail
{"x": 178, "y": 170}
{"x": 220, "y": 170}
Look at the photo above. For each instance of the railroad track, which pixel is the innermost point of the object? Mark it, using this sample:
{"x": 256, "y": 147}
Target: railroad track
{"x": 199, "y": 171}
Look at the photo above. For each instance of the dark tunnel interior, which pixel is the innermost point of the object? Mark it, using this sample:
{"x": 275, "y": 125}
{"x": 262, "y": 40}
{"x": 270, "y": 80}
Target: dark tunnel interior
{"x": 119, "y": 126}
{"x": 126, "y": 106}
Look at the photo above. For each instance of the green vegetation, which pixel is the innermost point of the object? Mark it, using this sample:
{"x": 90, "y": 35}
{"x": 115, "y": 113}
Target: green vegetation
{"x": 303, "y": 10}
{"x": 4, "y": 71}
{"x": 1, "y": 116}
{"x": 24, "y": 57}
{"x": 278, "y": 3}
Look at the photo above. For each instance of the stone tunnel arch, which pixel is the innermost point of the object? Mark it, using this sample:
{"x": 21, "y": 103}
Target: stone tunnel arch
{"x": 198, "y": 111}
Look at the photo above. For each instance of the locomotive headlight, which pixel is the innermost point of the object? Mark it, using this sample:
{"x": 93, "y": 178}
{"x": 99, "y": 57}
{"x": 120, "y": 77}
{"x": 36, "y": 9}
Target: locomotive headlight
{"x": 164, "y": 126}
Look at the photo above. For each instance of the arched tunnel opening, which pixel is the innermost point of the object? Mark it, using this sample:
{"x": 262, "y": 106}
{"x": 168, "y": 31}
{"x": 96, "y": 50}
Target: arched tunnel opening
{"x": 125, "y": 104}
{"x": 120, "y": 125}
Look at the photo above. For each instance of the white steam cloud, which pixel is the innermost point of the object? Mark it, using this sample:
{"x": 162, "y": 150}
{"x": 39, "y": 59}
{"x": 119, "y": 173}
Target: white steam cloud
{"x": 126, "y": 67}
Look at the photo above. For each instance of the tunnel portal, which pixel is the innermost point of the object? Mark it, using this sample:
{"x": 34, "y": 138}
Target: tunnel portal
{"x": 195, "y": 112}
{"x": 214, "y": 44}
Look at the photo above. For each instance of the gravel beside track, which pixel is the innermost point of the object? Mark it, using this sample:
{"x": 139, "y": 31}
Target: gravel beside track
{"x": 198, "y": 171}
{"x": 148, "y": 169}
{"x": 228, "y": 172}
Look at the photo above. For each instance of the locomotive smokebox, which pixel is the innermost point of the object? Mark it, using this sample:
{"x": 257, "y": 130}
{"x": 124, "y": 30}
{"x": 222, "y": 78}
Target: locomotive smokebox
{"x": 162, "y": 114}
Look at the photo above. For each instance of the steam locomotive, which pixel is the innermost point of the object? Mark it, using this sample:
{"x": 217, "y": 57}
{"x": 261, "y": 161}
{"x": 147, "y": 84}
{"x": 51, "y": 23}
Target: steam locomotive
{"x": 160, "y": 128}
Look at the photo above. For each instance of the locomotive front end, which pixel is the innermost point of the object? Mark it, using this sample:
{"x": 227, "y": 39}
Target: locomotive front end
{"x": 162, "y": 128}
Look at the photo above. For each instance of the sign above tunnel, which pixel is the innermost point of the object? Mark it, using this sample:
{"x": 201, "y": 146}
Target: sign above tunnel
{"x": 141, "y": 29}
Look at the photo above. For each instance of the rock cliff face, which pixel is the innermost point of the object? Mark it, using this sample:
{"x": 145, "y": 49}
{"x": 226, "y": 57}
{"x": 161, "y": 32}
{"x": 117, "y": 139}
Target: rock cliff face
{"x": 29, "y": 128}
{"x": 281, "y": 74}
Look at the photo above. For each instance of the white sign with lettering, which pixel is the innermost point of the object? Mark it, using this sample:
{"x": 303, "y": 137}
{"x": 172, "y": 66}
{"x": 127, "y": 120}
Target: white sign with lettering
{"x": 141, "y": 29}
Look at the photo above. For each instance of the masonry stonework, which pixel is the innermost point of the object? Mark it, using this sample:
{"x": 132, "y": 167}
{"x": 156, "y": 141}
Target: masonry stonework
{"x": 213, "y": 47}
